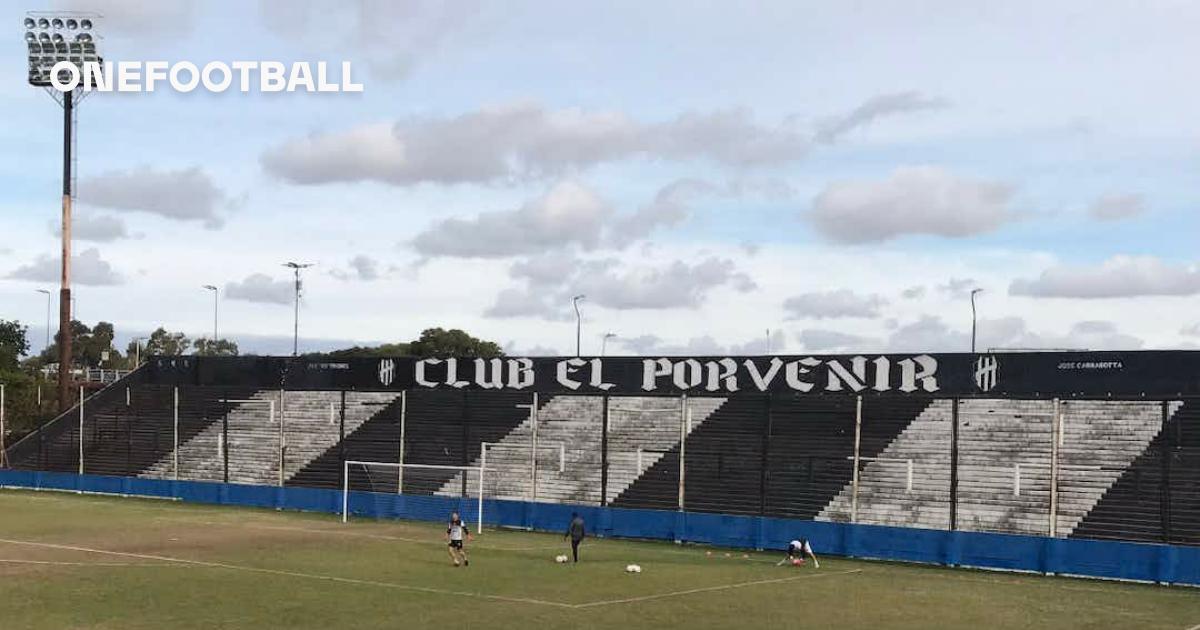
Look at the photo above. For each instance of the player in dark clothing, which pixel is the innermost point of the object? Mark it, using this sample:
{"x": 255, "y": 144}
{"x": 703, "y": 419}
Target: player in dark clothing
{"x": 576, "y": 532}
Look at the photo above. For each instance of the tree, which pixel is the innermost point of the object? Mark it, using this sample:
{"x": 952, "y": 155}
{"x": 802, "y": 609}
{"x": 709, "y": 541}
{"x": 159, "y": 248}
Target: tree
{"x": 384, "y": 350}
{"x": 89, "y": 349}
{"x": 163, "y": 343}
{"x": 440, "y": 343}
{"x": 219, "y": 348}
{"x": 13, "y": 343}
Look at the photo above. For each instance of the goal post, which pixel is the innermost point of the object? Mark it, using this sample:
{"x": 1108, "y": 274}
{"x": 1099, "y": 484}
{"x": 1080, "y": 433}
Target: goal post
{"x": 385, "y": 478}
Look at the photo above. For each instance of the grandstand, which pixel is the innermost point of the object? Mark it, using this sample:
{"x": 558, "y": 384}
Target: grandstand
{"x": 1060, "y": 464}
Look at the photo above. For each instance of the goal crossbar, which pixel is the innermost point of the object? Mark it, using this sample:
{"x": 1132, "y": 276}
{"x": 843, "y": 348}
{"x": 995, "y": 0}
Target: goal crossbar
{"x": 401, "y": 467}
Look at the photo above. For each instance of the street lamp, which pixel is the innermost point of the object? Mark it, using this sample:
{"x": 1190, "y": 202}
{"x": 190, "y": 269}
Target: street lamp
{"x": 215, "y": 294}
{"x": 51, "y": 38}
{"x": 296, "y": 267}
{"x": 604, "y": 342}
{"x": 578, "y": 322}
{"x": 137, "y": 352}
{"x": 49, "y": 299}
{"x": 973, "y": 293}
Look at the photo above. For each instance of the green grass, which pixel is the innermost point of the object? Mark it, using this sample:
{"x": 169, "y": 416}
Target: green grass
{"x": 172, "y": 565}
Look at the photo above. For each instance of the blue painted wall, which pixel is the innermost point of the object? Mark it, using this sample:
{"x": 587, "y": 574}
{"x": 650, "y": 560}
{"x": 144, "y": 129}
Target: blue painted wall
{"x": 1090, "y": 558}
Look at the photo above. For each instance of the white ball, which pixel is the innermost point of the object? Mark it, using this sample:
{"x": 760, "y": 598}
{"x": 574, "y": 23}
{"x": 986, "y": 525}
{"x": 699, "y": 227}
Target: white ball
{"x": 633, "y": 568}
{"x": 560, "y": 559}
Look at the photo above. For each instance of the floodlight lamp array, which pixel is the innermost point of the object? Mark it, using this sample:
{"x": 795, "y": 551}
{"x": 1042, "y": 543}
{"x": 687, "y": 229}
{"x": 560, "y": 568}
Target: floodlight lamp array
{"x": 54, "y": 38}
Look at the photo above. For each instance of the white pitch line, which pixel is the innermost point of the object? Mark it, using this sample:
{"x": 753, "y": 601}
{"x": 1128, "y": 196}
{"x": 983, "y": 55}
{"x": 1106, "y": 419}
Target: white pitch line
{"x": 710, "y": 589}
{"x": 1195, "y": 627}
{"x": 90, "y": 564}
{"x": 311, "y": 576}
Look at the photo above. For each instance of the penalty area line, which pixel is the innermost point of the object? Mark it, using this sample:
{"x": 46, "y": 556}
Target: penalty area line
{"x": 297, "y": 574}
{"x": 710, "y": 589}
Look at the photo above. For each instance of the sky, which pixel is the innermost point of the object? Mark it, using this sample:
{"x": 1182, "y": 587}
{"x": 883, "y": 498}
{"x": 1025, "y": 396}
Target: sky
{"x": 799, "y": 177}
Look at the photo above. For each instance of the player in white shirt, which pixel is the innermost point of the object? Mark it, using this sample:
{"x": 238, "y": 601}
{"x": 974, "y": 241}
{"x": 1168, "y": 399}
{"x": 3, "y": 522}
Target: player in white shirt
{"x": 456, "y": 535}
{"x": 797, "y": 549}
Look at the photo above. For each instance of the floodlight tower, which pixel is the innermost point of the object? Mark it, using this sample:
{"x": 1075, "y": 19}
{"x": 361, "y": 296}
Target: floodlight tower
{"x": 296, "y": 267}
{"x": 53, "y": 37}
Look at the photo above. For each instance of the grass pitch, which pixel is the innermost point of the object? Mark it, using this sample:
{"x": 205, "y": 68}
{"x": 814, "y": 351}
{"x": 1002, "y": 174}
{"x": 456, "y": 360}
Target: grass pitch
{"x": 71, "y": 561}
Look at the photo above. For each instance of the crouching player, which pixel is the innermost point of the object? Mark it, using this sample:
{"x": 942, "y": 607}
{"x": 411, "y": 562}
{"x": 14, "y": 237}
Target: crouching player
{"x": 796, "y": 551}
{"x": 456, "y": 535}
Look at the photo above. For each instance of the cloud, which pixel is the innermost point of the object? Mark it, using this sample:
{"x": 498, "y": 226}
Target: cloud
{"x": 820, "y": 340}
{"x": 568, "y": 214}
{"x": 362, "y": 268}
{"x": 87, "y": 268}
{"x": 833, "y": 129}
{"x": 137, "y": 18}
{"x": 913, "y": 293}
{"x": 527, "y": 303}
{"x": 931, "y": 334}
{"x": 1116, "y": 207}
{"x": 392, "y": 37}
{"x": 97, "y": 228}
{"x": 1119, "y": 276}
{"x": 676, "y": 285}
{"x": 912, "y": 200}
{"x": 184, "y": 195}
{"x": 833, "y": 304}
{"x": 511, "y": 349}
{"x": 262, "y": 289}
{"x": 669, "y": 208}
{"x": 699, "y": 346}
{"x": 552, "y": 280}
{"x": 524, "y": 141}
{"x": 958, "y": 288}
{"x": 1191, "y": 331}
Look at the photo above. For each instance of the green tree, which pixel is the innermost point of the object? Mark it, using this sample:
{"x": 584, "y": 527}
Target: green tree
{"x": 14, "y": 343}
{"x": 220, "y": 348}
{"x": 163, "y": 343}
{"x": 384, "y": 350}
{"x": 437, "y": 342}
{"x": 20, "y": 387}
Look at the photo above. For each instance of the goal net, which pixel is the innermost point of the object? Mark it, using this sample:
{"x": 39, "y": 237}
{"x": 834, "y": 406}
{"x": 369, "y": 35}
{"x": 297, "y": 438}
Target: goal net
{"x": 412, "y": 491}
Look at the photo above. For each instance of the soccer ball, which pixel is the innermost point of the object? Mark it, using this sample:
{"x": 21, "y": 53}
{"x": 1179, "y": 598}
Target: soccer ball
{"x": 633, "y": 568}
{"x": 797, "y": 562}
{"x": 560, "y": 559}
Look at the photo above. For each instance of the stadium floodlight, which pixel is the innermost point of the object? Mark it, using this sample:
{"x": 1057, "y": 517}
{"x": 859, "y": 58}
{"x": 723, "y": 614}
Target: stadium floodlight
{"x": 45, "y": 49}
{"x": 296, "y": 267}
{"x": 578, "y": 321}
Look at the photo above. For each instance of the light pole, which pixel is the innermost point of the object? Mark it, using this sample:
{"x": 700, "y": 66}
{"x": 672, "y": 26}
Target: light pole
{"x": 578, "y": 322}
{"x": 49, "y": 299}
{"x": 215, "y": 294}
{"x": 296, "y": 267}
{"x": 46, "y": 38}
{"x": 137, "y": 351}
{"x": 604, "y": 342}
{"x": 973, "y": 293}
